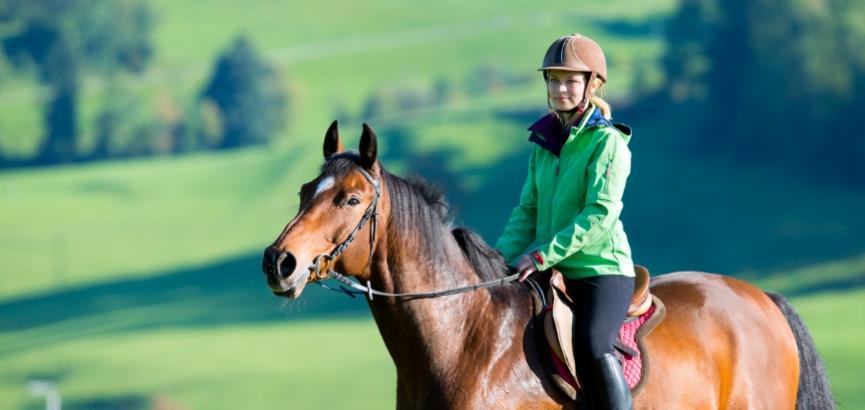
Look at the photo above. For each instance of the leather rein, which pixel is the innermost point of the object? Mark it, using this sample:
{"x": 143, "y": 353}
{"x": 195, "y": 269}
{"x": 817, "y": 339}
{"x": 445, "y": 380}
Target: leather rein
{"x": 354, "y": 288}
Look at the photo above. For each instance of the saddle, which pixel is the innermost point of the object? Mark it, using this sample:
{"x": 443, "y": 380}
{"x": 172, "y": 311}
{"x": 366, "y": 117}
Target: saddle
{"x": 644, "y": 313}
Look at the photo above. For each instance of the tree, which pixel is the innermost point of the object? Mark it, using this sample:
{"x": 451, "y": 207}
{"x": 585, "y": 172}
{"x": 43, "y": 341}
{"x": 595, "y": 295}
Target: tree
{"x": 772, "y": 80}
{"x": 60, "y": 39}
{"x": 686, "y": 62}
{"x": 248, "y": 95}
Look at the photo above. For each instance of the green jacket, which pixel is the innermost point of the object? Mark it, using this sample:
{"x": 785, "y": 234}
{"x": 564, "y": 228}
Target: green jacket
{"x": 570, "y": 203}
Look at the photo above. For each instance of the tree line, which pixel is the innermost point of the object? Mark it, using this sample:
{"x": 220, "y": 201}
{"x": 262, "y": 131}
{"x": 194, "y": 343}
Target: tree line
{"x": 778, "y": 83}
{"x": 771, "y": 82}
{"x": 242, "y": 103}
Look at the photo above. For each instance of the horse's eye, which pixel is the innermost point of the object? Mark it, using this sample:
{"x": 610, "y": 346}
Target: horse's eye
{"x": 353, "y": 202}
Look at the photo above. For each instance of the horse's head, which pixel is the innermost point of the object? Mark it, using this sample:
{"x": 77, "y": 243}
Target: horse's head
{"x": 335, "y": 222}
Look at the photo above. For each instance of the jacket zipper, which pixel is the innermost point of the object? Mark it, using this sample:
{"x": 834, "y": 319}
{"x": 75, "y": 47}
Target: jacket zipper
{"x": 553, "y": 196}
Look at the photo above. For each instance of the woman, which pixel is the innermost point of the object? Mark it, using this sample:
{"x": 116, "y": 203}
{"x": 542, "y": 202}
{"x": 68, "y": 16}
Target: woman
{"x": 569, "y": 211}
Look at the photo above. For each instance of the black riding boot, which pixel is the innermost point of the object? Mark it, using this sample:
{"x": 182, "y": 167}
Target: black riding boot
{"x": 609, "y": 388}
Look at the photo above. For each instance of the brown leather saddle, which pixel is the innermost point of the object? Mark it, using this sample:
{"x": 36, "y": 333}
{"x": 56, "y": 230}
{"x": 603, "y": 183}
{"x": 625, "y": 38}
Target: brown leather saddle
{"x": 640, "y": 300}
{"x": 557, "y": 321}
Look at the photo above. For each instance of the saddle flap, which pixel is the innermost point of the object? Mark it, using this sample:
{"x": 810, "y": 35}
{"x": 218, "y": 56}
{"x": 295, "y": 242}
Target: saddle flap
{"x": 563, "y": 319}
{"x": 557, "y": 282}
{"x": 641, "y": 300}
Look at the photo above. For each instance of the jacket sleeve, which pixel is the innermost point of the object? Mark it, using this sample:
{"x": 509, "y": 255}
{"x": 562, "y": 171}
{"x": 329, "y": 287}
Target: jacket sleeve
{"x": 519, "y": 232}
{"x": 607, "y": 173}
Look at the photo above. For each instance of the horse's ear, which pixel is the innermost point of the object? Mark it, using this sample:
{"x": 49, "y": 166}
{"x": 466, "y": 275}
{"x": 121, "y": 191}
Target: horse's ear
{"x": 368, "y": 147}
{"x": 332, "y": 144}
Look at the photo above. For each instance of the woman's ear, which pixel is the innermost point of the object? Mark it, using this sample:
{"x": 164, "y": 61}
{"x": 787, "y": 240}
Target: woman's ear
{"x": 332, "y": 144}
{"x": 596, "y": 85}
{"x": 368, "y": 147}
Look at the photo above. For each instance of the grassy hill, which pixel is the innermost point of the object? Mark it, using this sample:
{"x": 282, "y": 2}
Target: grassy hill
{"x": 298, "y": 364}
{"x": 136, "y": 283}
{"x": 66, "y": 227}
{"x": 332, "y": 56}
{"x": 63, "y": 227}
{"x": 69, "y": 226}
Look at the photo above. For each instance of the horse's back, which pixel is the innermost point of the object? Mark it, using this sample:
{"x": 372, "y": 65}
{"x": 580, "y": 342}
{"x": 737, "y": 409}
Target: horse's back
{"x": 723, "y": 344}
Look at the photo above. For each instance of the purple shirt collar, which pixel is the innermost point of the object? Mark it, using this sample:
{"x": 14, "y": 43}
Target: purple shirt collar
{"x": 548, "y": 126}
{"x": 548, "y": 133}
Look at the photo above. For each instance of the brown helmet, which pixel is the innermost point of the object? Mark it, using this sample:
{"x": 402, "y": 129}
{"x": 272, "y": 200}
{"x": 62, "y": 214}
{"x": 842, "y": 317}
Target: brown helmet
{"x": 576, "y": 53}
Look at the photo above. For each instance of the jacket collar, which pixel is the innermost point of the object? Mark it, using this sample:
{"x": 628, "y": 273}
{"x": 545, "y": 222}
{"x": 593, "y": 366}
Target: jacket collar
{"x": 547, "y": 132}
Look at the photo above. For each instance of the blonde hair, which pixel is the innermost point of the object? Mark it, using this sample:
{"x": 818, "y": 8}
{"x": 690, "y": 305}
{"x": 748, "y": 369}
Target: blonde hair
{"x": 599, "y": 102}
{"x": 594, "y": 99}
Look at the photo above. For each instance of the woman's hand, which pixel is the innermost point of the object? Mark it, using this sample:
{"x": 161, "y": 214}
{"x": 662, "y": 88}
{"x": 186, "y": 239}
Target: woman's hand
{"x": 525, "y": 267}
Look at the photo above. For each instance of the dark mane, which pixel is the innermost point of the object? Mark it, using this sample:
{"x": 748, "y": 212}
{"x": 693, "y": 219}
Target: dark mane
{"x": 487, "y": 262}
{"x": 423, "y": 207}
{"x": 433, "y": 196}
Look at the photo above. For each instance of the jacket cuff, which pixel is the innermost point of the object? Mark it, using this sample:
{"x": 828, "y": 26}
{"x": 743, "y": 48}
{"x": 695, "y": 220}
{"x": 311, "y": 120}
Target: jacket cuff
{"x": 538, "y": 260}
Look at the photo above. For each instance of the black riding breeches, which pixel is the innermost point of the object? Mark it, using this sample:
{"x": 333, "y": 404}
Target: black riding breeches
{"x": 600, "y": 306}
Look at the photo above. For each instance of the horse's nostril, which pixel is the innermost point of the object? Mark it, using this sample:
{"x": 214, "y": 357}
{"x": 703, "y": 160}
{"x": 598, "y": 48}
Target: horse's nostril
{"x": 285, "y": 264}
{"x": 268, "y": 260}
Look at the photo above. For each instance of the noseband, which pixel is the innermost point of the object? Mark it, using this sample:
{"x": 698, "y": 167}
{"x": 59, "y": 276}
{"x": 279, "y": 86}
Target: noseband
{"x": 369, "y": 215}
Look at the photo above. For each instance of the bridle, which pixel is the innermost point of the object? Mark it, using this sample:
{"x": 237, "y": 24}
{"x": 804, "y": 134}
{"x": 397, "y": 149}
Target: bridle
{"x": 354, "y": 288}
{"x": 369, "y": 215}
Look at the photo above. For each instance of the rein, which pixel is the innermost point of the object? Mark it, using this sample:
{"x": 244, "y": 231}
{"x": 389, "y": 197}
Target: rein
{"x": 356, "y": 288}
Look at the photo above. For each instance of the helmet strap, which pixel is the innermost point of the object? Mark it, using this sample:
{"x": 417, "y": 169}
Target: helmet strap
{"x": 582, "y": 106}
{"x": 587, "y": 93}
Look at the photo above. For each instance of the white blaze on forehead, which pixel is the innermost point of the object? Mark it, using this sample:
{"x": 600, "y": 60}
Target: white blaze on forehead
{"x": 324, "y": 185}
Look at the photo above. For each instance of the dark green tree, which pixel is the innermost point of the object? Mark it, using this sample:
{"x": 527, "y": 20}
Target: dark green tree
{"x": 772, "y": 81}
{"x": 686, "y": 62}
{"x": 62, "y": 39}
{"x": 248, "y": 95}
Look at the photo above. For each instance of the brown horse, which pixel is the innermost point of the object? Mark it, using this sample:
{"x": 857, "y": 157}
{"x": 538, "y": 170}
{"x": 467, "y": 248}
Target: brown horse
{"x": 724, "y": 344}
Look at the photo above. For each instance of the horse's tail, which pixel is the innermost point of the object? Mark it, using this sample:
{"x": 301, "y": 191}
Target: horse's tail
{"x": 814, "y": 390}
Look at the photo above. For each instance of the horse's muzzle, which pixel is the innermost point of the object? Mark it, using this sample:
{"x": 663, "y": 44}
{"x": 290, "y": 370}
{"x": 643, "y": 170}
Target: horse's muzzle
{"x": 278, "y": 268}
{"x": 276, "y": 264}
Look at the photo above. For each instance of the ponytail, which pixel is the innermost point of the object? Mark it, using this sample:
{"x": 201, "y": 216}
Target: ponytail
{"x": 599, "y": 102}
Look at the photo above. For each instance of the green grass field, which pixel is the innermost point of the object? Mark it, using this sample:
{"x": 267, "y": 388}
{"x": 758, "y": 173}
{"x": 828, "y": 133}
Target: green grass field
{"x": 65, "y": 227}
{"x": 836, "y": 325}
{"x": 114, "y": 219}
{"x": 151, "y": 220}
{"x": 333, "y": 58}
{"x": 302, "y": 365}
{"x": 298, "y": 365}
{"x": 136, "y": 283}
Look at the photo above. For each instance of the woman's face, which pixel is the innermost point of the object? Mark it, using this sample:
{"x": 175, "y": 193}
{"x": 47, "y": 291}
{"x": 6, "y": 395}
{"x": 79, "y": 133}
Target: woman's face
{"x": 565, "y": 89}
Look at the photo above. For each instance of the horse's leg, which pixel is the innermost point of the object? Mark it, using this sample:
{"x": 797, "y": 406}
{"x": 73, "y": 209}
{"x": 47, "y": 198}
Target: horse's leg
{"x": 402, "y": 402}
{"x": 723, "y": 344}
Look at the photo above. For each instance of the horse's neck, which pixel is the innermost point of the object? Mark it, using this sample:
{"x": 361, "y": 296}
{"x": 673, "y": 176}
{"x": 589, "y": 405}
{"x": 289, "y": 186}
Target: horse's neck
{"x": 440, "y": 344}
{"x": 429, "y": 325}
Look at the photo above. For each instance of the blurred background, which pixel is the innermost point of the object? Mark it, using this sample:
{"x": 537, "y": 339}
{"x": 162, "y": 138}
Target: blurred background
{"x": 150, "y": 150}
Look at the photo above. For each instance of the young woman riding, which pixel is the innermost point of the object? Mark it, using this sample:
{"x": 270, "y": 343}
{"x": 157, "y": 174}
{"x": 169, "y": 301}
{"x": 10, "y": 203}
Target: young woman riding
{"x": 569, "y": 207}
